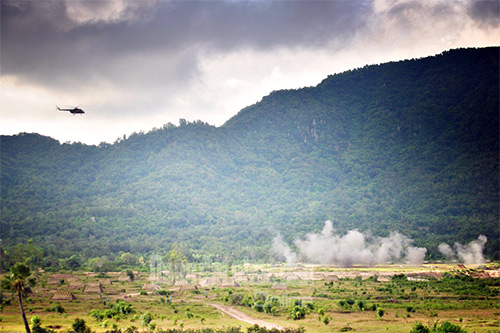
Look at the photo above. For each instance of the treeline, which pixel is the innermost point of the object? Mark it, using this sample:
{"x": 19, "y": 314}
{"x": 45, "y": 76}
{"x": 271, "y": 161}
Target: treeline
{"x": 410, "y": 146}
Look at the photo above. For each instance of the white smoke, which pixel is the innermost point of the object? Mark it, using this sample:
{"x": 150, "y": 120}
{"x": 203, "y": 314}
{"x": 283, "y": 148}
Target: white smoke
{"x": 281, "y": 248}
{"x": 415, "y": 255}
{"x": 447, "y": 250}
{"x": 391, "y": 248}
{"x": 329, "y": 248}
{"x": 471, "y": 253}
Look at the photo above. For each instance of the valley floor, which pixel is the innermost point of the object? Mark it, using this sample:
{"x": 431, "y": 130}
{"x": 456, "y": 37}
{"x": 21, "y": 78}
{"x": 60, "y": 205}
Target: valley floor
{"x": 378, "y": 299}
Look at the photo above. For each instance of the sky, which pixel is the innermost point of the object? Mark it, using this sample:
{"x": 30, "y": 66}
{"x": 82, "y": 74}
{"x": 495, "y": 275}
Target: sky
{"x": 137, "y": 65}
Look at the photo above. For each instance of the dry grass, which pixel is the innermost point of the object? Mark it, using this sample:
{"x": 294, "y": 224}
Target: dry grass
{"x": 477, "y": 314}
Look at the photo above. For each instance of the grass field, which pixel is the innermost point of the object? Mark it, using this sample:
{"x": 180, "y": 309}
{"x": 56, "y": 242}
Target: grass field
{"x": 378, "y": 299}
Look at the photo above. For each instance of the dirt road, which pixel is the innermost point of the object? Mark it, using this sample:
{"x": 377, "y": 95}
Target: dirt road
{"x": 244, "y": 317}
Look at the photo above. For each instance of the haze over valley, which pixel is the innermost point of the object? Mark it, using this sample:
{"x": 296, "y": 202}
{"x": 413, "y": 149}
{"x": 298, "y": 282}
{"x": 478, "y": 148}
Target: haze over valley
{"x": 405, "y": 150}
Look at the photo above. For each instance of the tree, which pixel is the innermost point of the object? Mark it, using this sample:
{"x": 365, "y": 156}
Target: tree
{"x": 130, "y": 274}
{"x": 176, "y": 261}
{"x": 17, "y": 281}
{"x": 128, "y": 259}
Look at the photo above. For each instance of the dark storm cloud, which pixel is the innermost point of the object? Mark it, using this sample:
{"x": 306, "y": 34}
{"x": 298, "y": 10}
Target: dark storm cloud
{"x": 404, "y": 13}
{"x": 409, "y": 14}
{"x": 54, "y": 43}
{"x": 485, "y": 12}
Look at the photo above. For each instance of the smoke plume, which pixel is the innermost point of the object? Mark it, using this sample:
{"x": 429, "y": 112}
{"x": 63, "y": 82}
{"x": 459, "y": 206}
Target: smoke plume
{"x": 471, "y": 253}
{"x": 415, "y": 255}
{"x": 353, "y": 248}
{"x": 447, "y": 250}
{"x": 282, "y": 249}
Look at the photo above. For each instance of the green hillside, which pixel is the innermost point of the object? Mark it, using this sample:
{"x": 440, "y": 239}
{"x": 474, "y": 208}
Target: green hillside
{"x": 410, "y": 146}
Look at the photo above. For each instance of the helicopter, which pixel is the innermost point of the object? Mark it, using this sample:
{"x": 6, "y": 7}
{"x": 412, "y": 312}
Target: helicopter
{"x": 73, "y": 111}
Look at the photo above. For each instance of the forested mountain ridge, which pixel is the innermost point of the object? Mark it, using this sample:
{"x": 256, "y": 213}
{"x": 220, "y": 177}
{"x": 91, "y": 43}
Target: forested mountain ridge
{"x": 410, "y": 146}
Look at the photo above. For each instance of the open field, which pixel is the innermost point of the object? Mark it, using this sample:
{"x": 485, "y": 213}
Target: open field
{"x": 347, "y": 298}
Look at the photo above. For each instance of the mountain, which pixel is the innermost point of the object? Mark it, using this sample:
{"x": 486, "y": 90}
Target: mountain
{"x": 410, "y": 146}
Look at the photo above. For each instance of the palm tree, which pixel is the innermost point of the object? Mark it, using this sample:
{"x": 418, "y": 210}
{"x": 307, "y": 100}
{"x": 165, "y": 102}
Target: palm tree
{"x": 17, "y": 281}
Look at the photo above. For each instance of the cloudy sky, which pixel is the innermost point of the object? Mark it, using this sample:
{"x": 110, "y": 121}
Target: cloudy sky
{"x": 135, "y": 65}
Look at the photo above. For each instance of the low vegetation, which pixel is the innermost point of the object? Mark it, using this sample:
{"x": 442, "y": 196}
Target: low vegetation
{"x": 351, "y": 303}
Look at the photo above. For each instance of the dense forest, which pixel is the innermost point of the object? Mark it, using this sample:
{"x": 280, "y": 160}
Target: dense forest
{"x": 410, "y": 146}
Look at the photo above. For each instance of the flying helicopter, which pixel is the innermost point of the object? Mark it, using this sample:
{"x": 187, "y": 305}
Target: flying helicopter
{"x": 73, "y": 111}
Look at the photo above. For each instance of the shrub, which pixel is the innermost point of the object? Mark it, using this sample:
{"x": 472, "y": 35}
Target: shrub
{"x": 237, "y": 299}
{"x": 419, "y": 328}
{"x": 56, "y": 308}
{"x": 447, "y": 327}
{"x": 247, "y": 301}
{"x": 326, "y": 319}
{"x": 79, "y": 326}
{"x": 36, "y": 326}
{"x": 259, "y": 306}
{"x": 399, "y": 278}
{"x": 117, "y": 310}
{"x": 297, "y": 312}
{"x": 260, "y": 296}
{"x": 310, "y": 306}
{"x": 146, "y": 318}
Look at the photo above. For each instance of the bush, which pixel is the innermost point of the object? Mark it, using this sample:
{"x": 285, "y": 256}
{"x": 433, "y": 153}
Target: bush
{"x": 419, "y": 328}
{"x": 326, "y": 319}
{"x": 56, "y": 308}
{"x": 399, "y": 278}
{"x": 445, "y": 327}
{"x": 36, "y": 326}
{"x": 259, "y": 306}
{"x": 237, "y": 299}
{"x": 119, "y": 309}
{"x": 79, "y": 326}
{"x": 146, "y": 318}
{"x": 247, "y": 301}
{"x": 297, "y": 312}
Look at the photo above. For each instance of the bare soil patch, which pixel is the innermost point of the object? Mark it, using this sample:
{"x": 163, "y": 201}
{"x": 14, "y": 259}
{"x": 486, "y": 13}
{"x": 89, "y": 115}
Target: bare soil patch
{"x": 245, "y": 317}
